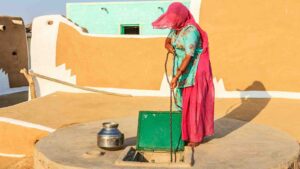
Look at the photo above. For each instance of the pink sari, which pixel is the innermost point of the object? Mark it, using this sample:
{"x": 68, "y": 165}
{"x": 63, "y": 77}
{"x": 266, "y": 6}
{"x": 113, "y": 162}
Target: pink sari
{"x": 198, "y": 100}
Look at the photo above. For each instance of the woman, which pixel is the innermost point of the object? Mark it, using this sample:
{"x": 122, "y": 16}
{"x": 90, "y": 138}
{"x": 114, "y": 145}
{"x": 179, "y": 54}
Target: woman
{"x": 194, "y": 91}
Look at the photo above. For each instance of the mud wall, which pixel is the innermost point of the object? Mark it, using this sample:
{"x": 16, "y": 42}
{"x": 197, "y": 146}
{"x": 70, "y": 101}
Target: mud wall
{"x": 250, "y": 41}
{"x": 254, "y": 40}
{"x": 13, "y": 50}
{"x": 111, "y": 62}
{"x": 253, "y": 47}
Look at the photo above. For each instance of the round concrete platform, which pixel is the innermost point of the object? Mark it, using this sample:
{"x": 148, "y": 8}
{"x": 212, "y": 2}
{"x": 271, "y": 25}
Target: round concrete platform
{"x": 235, "y": 145}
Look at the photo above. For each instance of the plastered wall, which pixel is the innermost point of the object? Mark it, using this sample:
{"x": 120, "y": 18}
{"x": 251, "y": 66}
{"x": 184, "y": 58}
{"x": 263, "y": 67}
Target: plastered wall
{"x": 253, "y": 47}
{"x": 130, "y": 63}
{"x": 250, "y": 40}
{"x": 61, "y": 50}
{"x": 254, "y": 40}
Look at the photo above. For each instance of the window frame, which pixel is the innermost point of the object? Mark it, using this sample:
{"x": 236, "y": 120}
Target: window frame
{"x": 122, "y": 28}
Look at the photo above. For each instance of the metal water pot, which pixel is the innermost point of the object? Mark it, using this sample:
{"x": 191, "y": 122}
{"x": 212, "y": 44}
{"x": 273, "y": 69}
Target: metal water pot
{"x": 110, "y": 137}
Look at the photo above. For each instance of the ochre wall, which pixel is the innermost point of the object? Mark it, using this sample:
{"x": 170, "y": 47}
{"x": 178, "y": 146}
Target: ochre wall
{"x": 250, "y": 41}
{"x": 254, "y": 40}
{"x": 13, "y": 50}
{"x": 112, "y": 62}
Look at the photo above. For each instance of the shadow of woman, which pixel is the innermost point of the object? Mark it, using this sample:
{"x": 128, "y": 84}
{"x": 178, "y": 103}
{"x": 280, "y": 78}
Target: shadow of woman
{"x": 245, "y": 112}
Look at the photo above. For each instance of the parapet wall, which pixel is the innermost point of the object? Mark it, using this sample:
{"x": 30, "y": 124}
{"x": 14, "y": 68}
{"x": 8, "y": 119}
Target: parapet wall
{"x": 61, "y": 50}
{"x": 131, "y": 63}
{"x": 253, "y": 53}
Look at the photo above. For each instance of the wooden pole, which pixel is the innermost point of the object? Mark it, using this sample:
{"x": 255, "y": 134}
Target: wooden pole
{"x": 33, "y": 74}
{"x": 30, "y": 83}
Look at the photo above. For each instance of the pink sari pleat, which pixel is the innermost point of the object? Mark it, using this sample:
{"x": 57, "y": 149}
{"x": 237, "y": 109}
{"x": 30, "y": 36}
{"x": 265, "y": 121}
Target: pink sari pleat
{"x": 198, "y": 106}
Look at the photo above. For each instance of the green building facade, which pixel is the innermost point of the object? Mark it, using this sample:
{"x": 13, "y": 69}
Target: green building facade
{"x": 116, "y": 18}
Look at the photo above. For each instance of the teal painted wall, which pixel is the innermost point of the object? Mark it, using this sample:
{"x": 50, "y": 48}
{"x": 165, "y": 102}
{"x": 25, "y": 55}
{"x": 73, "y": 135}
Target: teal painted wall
{"x": 99, "y": 21}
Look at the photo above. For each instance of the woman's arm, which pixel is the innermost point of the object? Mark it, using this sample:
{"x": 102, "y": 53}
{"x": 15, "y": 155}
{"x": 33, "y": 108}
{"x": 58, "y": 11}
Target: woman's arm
{"x": 180, "y": 70}
{"x": 190, "y": 40}
{"x": 168, "y": 45}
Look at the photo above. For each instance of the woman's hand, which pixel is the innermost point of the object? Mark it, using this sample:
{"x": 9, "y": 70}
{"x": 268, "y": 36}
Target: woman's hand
{"x": 180, "y": 70}
{"x": 170, "y": 49}
{"x": 168, "y": 46}
{"x": 173, "y": 84}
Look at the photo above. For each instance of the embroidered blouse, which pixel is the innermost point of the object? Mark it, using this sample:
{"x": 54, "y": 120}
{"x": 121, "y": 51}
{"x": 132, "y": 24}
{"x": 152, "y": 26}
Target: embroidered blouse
{"x": 186, "y": 42}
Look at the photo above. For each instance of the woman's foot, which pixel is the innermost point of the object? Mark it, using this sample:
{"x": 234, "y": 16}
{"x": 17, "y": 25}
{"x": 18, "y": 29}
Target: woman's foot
{"x": 193, "y": 144}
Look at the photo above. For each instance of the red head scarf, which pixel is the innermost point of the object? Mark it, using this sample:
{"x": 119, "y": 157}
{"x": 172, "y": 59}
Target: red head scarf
{"x": 177, "y": 17}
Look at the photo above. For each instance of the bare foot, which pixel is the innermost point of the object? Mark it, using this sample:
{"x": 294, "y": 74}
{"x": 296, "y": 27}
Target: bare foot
{"x": 193, "y": 144}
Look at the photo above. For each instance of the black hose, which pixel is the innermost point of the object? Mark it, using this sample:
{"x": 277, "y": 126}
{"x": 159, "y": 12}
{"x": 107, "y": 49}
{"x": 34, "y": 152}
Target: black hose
{"x": 171, "y": 92}
{"x": 168, "y": 80}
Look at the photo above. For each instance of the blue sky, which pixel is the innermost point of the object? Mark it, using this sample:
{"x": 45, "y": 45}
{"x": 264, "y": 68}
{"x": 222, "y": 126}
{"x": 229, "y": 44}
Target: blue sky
{"x": 28, "y": 9}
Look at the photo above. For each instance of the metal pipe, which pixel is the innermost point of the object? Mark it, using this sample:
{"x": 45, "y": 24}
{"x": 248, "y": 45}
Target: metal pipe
{"x": 171, "y": 92}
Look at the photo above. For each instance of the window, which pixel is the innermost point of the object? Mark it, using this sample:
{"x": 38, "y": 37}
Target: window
{"x": 130, "y": 29}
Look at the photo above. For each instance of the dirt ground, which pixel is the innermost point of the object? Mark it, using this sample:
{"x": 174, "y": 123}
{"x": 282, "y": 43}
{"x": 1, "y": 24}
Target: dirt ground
{"x": 15, "y": 163}
{"x": 62, "y": 109}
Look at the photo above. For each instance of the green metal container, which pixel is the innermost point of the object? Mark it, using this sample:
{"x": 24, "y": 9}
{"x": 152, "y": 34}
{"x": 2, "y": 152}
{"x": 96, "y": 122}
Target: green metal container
{"x": 154, "y": 131}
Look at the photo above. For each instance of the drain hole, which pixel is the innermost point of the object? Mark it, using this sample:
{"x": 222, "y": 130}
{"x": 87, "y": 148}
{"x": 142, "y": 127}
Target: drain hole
{"x": 2, "y": 27}
{"x": 14, "y": 53}
{"x": 50, "y": 22}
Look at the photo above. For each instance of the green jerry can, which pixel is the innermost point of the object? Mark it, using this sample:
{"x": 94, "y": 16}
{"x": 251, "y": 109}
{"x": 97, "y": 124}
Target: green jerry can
{"x": 154, "y": 131}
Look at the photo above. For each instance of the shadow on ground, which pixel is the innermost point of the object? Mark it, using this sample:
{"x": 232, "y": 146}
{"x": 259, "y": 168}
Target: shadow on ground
{"x": 131, "y": 141}
{"x": 247, "y": 110}
{"x": 12, "y": 99}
